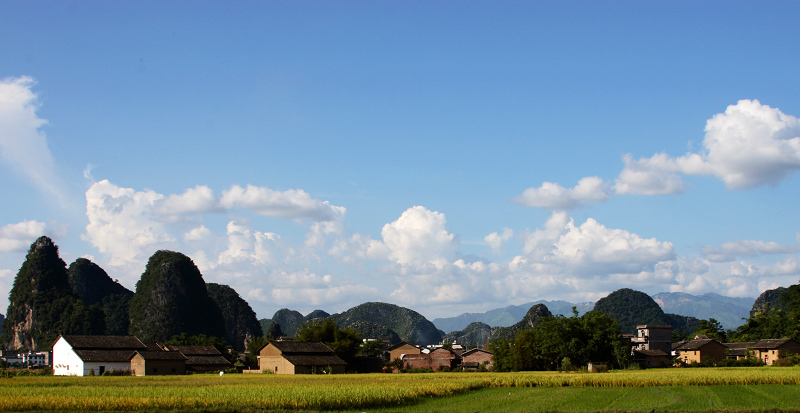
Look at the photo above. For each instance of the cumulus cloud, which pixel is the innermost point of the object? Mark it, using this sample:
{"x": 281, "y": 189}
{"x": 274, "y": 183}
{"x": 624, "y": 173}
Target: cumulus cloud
{"x": 554, "y": 196}
{"x": 420, "y": 236}
{"x": 18, "y": 237}
{"x": 495, "y": 241}
{"x": 730, "y": 251}
{"x": 291, "y": 204}
{"x": 749, "y": 145}
{"x": 593, "y": 248}
{"x": 23, "y": 145}
{"x": 122, "y": 222}
{"x": 127, "y": 224}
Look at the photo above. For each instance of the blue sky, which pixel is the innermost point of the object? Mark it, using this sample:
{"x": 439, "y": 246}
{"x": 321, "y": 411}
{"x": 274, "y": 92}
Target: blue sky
{"x": 444, "y": 156}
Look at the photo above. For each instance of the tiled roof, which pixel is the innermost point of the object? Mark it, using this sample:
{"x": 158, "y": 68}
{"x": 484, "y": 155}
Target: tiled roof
{"x": 696, "y": 344}
{"x": 195, "y": 350}
{"x": 159, "y": 355}
{"x": 305, "y": 347}
{"x": 400, "y": 344}
{"x": 771, "y": 343}
{"x": 122, "y": 356}
{"x": 331, "y": 360}
{"x": 473, "y": 351}
{"x": 104, "y": 342}
{"x": 652, "y": 353}
{"x": 207, "y": 361}
{"x": 742, "y": 345}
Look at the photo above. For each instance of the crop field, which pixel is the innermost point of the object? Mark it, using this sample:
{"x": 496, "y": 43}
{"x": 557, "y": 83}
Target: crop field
{"x": 732, "y": 389}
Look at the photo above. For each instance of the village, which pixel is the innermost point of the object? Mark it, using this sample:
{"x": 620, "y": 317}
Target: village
{"x": 82, "y": 355}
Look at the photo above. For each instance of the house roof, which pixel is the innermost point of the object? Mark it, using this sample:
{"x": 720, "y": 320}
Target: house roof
{"x": 697, "y": 344}
{"x": 771, "y": 343}
{"x": 331, "y": 360}
{"x": 194, "y": 350}
{"x": 739, "y": 346}
{"x": 651, "y": 353}
{"x": 473, "y": 351}
{"x": 400, "y": 344}
{"x": 447, "y": 353}
{"x": 304, "y": 347}
{"x": 159, "y": 355}
{"x": 103, "y": 342}
{"x": 121, "y": 356}
{"x": 207, "y": 361}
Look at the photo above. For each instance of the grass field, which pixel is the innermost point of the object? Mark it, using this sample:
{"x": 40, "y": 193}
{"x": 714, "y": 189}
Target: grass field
{"x": 732, "y": 389}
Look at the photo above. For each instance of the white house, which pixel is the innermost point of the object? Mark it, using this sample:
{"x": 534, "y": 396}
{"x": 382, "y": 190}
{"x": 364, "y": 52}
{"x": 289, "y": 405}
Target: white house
{"x": 31, "y": 358}
{"x": 79, "y": 355}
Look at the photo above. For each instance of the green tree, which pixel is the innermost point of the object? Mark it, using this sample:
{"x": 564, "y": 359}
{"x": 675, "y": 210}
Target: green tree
{"x": 344, "y": 342}
{"x": 711, "y": 328}
{"x": 591, "y": 337}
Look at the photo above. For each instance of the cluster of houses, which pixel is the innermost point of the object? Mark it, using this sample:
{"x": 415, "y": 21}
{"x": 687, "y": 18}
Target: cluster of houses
{"x": 439, "y": 357}
{"x": 87, "y": 355}
{"x": 75, "y": 355}
{"x": 291, "y": 357}
{"x": 652, "y": 346}
{"x": 28, "y": 359}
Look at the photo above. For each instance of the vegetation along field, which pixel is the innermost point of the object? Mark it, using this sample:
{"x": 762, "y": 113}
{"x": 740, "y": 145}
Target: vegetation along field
{"x": 696, "y": 389}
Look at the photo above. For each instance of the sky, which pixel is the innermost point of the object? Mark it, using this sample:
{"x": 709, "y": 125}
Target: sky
{"x": 444, "y": 156}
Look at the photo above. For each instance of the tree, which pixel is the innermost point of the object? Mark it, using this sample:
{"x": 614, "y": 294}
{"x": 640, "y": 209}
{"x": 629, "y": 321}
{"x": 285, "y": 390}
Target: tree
{"x": 274, "y": 331}
{"x": 344, "y": 342}
{"x": 371, "y": 348}
{"x": 591, "y": 337}
{"x": 711, "y": 328}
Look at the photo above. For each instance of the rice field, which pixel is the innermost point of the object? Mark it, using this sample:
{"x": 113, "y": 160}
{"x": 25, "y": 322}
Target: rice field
{"x": 746, "y": 389}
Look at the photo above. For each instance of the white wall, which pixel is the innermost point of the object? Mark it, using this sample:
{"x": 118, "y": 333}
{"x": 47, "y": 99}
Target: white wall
{"x": 65, "y": 361}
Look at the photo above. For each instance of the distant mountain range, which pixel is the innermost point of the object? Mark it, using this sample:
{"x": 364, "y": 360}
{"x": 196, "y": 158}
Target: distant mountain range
{"x": 729, "y": 311}
{"x": 508, "y": 316}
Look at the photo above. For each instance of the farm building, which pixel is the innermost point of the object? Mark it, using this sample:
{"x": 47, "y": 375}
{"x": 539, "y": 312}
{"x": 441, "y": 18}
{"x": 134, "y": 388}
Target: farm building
{"x": 701, "y": 350}
{"x": 651, "y": 358}
{"x": 150, "y": 363}
{"x": 472, "y": 359}
{"x": 398, "y": 350}
{"x": 436, "y": 360}
{"x": 201, "y": 359}
{"x": 294, "y": 357}
{"x": 771, "y": 350}
{"x": 80, "y": 355}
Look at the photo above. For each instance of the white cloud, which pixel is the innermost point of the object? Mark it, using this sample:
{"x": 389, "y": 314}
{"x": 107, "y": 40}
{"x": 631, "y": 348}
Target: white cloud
{"x": 420, "y": 236}
{"x": 23, "y": 145}
{"x": 592, "y": 248}
{"x": 128, "y": 225}
{"x": 200, "y": 199}
{"x": 291, "y": 204}
{"x": 730, "y": 251}
{"x": 749, "y": 145}
{"x": 18, "y": 237}
{"x": 495, "y": 241}
{"x": 197, "y": 234}
{"x": 554, "y": 196}
{"x": 122, "y": 223}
